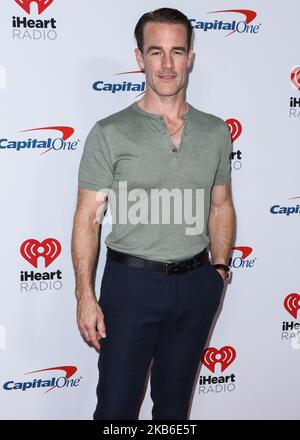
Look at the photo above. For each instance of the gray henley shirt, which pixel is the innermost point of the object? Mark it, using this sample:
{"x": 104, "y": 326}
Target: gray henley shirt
{"x": 131, "y": 153}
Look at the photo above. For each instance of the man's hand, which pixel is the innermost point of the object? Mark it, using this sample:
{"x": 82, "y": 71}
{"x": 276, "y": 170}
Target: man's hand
{"x": 90, "y": 320}
{"x": 222, "y": 273}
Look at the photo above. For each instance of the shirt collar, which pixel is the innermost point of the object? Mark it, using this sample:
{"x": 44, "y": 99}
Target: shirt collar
{"x": 156, "y": 116}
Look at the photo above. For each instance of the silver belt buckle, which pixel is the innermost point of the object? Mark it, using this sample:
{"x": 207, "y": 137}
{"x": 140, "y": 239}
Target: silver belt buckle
{"x": 167, "y": 269}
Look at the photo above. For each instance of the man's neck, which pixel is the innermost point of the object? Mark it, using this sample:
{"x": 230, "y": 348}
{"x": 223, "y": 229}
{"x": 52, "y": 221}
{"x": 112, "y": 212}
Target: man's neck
{"x": 171, "y": 110}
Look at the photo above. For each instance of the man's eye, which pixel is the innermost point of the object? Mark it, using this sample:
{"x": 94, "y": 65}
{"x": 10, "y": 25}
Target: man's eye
{"x": 178, "y": 52}
{"x": 154, "y": 53}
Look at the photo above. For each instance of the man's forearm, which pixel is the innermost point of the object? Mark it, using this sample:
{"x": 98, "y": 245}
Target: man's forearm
{"x": 221, "y": 229}
{"x": 85, "y": 240}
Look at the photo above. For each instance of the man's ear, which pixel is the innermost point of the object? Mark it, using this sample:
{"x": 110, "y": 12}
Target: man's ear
{"x": 139, "y": 58}
{"x": 191, "y": 56}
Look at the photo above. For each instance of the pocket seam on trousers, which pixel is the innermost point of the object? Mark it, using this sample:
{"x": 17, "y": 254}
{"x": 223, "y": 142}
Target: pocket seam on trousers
{"x": 218, "y": 275}
{"x": 105, "y": 275}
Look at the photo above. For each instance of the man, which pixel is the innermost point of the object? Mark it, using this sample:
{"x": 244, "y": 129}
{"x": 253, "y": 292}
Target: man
{"x": 159, "y": 291}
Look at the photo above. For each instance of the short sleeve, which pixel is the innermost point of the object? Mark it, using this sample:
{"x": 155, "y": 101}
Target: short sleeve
{"x": 224, "y": 169}
{"x": 95, "y": 168}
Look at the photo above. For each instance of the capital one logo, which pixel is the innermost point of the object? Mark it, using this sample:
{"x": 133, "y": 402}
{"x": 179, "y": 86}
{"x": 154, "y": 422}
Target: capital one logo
{"x": 242, "y": 261}
{"x": 292, "y": 304}
{"x": 243, "y": 26}
{"x": 224, "y": 356}
{"x": 286, "y": 210}
{"x": 235, "y": 128}
{"x": 295, "y": 77}
{"x": 69, "y": 370}
{"x": 245, "y": 251}
{"x": 65, "y": 130}
{"x": 41, "y": 4}
{"x": 61, "y": 144}
{"x": 248, "y": 15}
{"x": 66, "y": 381}
{"x": 125, "y": 86}
{"x": 32, "y": 250}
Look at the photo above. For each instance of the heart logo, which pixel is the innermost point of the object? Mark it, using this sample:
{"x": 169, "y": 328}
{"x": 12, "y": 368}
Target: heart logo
{"x": 292, "y": 304}
{"x": 235, "y": 128}
{"x": 41, "y": 4}
{"x": 295, "y": 77}
{"x": 32, "y": 249}
{"x": 225, "y": 356}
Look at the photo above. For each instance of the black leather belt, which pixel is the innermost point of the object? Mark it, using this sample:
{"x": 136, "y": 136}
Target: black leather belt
{"x": 165, "y": 268}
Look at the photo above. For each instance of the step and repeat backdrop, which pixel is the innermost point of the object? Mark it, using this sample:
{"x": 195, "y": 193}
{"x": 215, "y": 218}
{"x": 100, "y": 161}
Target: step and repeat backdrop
{"x": 64, "y": 64}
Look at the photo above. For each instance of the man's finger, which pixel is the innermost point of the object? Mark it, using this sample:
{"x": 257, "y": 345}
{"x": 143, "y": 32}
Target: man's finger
{"x": 85, "y": 335}
{"x": 101, "y": 328}
{"x": 95, "y": 343}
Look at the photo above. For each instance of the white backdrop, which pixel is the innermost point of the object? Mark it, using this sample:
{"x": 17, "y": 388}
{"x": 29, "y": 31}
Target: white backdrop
{"x": 46, "y": 80}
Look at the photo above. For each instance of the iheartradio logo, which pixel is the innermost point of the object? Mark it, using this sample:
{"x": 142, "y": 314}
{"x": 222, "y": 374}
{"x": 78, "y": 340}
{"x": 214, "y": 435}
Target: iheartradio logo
{"x": 41, "y": 4}
{"x": 31, "y": 281}
{"x": 33, "y": 27}
{"x": 235, "y": 128}
{"x": 295, "y": 77}
{"x": 225, "y": 356}
{"x": 292, "y": 304}
{"x": 32, "y": 249}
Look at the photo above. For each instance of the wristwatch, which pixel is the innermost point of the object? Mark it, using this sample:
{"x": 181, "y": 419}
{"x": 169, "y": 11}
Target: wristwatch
{"x": 225, "y": 268}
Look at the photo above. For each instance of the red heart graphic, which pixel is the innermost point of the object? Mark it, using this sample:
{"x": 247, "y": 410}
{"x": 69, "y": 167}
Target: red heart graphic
{"x": 226, "y": 355}
{"x": 42, "y": 5}
{"x": 31, "y": 252}
{"x": 292, "y": 304}
{"x": 235, "y": 128}
{"x": 295, "y": 77}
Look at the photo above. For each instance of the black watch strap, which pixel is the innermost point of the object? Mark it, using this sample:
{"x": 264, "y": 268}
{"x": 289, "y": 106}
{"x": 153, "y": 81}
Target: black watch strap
{"x": 221, "y": 266}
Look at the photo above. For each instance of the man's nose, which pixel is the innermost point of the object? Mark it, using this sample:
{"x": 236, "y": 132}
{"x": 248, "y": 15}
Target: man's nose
{"x": 167, "y": 60}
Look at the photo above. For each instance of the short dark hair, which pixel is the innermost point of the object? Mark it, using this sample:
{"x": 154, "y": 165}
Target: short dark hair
{"x": 162, "y": 15}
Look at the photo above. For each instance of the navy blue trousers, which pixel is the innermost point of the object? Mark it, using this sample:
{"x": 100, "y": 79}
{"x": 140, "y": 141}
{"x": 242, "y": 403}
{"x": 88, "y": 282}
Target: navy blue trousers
{"x": 151, "y": 317}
